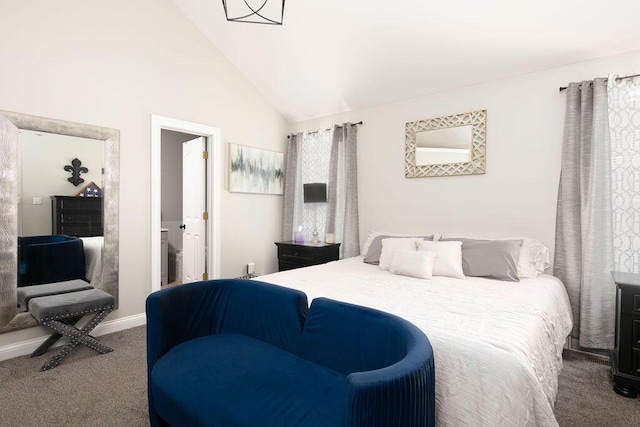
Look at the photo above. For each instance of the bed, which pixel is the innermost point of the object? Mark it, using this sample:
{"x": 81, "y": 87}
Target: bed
{"x": 497, "y": 344}
{"x": 93, "y": 259}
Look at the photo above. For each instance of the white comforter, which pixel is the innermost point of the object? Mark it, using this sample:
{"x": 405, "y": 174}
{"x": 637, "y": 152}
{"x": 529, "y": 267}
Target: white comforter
{"x": 497, "y": 345}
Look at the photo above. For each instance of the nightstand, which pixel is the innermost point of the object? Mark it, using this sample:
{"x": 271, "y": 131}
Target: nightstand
{"x": 295, "y": 255}
{"x": 625, "y": 358}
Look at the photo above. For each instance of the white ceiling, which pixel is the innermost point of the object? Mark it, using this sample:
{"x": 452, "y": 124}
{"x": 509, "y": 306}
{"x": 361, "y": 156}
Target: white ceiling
{"x": 332, "y": 56}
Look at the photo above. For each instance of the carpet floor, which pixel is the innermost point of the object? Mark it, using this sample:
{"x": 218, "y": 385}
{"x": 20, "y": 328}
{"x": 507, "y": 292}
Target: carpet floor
{"x": 586, "y": 396}
{"x": 86, "y": 389}
{"x": 110, "y": 389}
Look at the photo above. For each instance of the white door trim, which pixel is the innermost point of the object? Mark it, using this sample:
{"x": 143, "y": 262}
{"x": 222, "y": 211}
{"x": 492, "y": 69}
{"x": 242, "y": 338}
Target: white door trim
{"x": 214, "y": 189}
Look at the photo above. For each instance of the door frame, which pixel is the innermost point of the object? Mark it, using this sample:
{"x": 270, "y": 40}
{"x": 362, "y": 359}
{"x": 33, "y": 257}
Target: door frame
{"x": 214, "y": 190}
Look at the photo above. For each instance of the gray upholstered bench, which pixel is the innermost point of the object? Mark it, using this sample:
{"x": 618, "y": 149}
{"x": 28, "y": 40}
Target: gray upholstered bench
{"x": 27, "y": 293}
{"x": 61, "y": 312}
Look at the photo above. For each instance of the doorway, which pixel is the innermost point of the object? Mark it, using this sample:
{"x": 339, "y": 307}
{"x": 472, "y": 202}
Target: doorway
{"x": 182, "y": 207}
{"x": 168, "y": 223}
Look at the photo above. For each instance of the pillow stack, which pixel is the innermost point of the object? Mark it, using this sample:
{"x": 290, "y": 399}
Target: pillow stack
{"x": 390, "y": 245}
{"x": 400, "y": 256}
{"x": 493, "y": 259}
{"x": 372, "y": 248}
{"x": 413, "y": 263}
{"x": 458, "y": 257}
{"x": 449, "y": 262}
{"x": 421, "y": 258}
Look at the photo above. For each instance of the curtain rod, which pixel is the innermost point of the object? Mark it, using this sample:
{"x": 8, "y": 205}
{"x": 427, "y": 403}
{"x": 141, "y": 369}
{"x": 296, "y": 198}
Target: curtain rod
{"x": 315, "y": 131}
{"x": 617, "y": 79}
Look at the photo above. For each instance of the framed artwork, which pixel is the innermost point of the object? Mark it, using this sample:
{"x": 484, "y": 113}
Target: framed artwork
{"x": 254, "y": 170}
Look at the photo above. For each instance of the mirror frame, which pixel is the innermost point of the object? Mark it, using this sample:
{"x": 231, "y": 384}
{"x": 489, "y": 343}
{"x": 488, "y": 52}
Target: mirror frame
{"x": 475, "y": 166}
{"x": 10, "y": 122}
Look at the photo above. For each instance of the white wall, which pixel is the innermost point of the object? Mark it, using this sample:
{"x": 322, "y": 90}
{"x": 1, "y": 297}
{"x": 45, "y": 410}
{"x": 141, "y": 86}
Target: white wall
{"x": 517, "y": 195}
{"x": 116, "y": 63}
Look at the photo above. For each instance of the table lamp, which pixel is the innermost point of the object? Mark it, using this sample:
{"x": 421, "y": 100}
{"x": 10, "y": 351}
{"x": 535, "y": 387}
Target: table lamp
{"x": 315, "y": 193}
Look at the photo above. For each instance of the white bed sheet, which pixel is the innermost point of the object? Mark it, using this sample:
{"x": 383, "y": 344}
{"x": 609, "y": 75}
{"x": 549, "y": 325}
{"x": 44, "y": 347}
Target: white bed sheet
{"x": 497, "y": 345}
{"x": 93, "y": 259}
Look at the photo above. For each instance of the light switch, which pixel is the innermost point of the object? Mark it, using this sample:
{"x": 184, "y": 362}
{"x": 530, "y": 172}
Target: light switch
{"x": 37, "y": 200}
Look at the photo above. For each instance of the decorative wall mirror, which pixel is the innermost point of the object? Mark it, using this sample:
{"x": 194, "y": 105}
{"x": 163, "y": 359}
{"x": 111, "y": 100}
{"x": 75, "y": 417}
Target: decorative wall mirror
{"x": 446, "y": 146}
{"x": 10, "y": 317}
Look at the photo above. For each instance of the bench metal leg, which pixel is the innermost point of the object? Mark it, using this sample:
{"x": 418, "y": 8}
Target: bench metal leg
{"x": 45, "y": 346}
{"x": 76, "y": 336}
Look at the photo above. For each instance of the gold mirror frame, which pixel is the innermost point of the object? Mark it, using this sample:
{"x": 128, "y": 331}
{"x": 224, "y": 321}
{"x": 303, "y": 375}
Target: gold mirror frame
{"x": 475, "y": 166}
{"x": 10, "y": 122}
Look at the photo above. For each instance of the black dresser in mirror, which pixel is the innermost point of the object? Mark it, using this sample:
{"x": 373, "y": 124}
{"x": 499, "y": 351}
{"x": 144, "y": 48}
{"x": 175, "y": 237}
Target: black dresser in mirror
{"x": 77, "y": 216}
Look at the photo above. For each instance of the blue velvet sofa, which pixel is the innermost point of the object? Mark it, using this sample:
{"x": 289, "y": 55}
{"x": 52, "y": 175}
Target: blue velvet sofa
{"x": 49, "y": 259}
{"x": 247, "y": 353}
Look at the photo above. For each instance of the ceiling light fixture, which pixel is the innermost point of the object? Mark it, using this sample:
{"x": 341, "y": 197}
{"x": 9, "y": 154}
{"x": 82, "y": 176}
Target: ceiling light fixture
{"x": 254, "y": 11}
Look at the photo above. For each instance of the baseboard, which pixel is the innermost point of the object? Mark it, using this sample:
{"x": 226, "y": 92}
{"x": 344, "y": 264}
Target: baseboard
{"x": 107, "y": 327}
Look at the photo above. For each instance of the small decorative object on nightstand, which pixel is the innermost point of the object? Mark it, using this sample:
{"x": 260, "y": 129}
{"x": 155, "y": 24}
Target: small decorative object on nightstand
{"x": 295, "y": 255}
{"x": 625, "y": 358}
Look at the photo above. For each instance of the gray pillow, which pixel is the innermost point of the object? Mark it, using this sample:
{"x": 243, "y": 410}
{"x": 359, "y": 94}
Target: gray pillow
{"x": 493, "y": 259}
{"x": 375, "y": 248}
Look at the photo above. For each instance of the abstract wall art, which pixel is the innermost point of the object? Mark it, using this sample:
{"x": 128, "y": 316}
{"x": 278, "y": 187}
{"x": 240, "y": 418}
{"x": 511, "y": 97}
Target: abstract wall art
{"x": 253, "y": 170}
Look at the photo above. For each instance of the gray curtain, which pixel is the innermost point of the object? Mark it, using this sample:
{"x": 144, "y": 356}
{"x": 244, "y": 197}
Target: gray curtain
{"x": 584, "y": 240}
{"x": 292, "y": 191}
{"x": 342, "y": 206}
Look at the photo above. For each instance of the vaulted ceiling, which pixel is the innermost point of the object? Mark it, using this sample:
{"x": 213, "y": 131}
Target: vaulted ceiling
{"x": 331, "y": 56}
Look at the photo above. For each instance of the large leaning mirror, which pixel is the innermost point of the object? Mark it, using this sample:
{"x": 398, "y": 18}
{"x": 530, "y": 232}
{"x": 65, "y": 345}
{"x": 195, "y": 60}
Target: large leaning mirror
{"x": 104, "y": 247}
{"x": 446, "y": 146}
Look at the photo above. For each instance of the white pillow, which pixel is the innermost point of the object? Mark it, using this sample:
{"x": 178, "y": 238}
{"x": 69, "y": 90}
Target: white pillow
{"x": 413, "y": 263}
{"x": 449, "y": 261}
{"x": 534, "y": 258}
{"x": 393, "y": 244}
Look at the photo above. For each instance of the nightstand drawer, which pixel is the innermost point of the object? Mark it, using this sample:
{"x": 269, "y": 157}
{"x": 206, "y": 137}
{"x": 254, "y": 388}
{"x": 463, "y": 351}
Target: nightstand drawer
{"x": 283, "y": 265}
{"x": 630, "y": 304}
{"x": 635, "y": 364}
{"x": 296, "y": 253}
